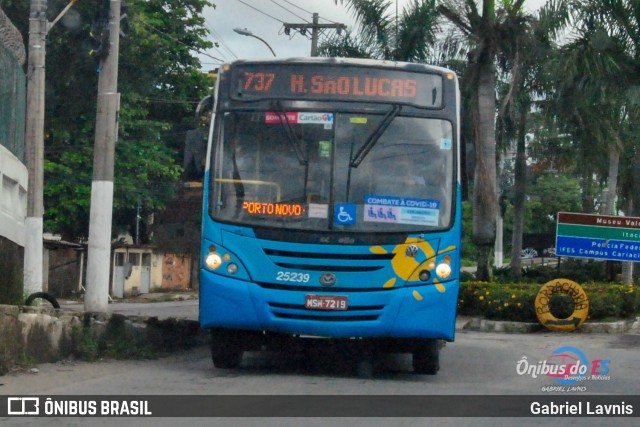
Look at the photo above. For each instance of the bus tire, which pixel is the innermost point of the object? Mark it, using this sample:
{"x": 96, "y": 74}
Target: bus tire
{"x": 226, "y": 349}
{"x": 42, "y": 295}
{"x": 426, "y": 357}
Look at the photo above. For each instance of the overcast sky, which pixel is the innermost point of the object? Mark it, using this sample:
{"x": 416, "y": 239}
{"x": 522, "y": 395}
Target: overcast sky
{"x": 265, "y": 19}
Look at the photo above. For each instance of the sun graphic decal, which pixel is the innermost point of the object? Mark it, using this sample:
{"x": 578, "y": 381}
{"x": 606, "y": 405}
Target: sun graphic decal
{"x": 408, "y": 257}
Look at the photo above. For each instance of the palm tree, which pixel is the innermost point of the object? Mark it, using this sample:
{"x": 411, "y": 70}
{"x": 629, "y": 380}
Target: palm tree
{"x": 593, "y": 73}
{"x": 383, "y": 33}
{"x": 484, "y": 33}
{"x": 524, "y": 49}
{"x": 599, "y": 69}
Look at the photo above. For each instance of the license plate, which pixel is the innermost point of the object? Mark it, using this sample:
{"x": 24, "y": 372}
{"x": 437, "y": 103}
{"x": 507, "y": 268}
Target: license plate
{"x": 325, "y": 302}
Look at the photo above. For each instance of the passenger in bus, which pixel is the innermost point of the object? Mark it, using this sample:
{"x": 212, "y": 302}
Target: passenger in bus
{"x": 400, "y": 177}
{"x": 287, "y": 175}
{"x": 410, "y": 175}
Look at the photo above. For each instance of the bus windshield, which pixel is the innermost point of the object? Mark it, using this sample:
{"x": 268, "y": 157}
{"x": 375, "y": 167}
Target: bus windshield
{"x": 332, "y": 171}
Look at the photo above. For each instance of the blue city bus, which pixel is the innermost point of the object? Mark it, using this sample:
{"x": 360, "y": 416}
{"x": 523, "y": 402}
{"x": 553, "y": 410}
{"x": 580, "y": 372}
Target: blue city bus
{"x": 331, "y": 207}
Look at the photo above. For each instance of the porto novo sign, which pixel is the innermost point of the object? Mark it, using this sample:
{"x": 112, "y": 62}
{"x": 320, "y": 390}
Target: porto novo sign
{"x": 614, "y": 238}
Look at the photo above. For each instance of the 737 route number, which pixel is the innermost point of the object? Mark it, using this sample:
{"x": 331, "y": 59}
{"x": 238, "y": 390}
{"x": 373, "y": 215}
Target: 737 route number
{"x": 288, "y": 276}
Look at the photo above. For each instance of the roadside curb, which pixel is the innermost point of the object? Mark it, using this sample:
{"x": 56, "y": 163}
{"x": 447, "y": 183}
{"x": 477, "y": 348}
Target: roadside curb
{"x": 479, "y": 324}
{"x": 44, "y": 334}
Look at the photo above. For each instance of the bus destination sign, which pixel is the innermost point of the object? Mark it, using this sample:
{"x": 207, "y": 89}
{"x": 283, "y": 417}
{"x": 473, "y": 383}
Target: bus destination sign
{"x": 254, "y": 82}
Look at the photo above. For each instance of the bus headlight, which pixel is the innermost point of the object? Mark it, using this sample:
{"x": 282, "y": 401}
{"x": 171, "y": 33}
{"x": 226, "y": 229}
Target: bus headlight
{"x": 213, "y": 261}
{"x": 232, "y": 268}
{"x": 443, "y": 270}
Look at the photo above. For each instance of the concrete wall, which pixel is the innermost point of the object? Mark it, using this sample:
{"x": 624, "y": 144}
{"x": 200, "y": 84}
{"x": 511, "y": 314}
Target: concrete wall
{"x": 143, "y": 269}
{"x": 176, "y": 271}
{"x": 30, "y": 335}
{"x": 13, "y": 197}
{"x": 13, "y": 208}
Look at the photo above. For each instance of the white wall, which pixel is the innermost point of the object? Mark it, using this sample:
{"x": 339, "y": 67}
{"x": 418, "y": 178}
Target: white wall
{"x": 13, "y": 197}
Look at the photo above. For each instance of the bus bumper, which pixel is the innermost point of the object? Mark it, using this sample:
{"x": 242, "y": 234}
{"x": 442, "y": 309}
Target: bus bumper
{"x": 404, "y": 312}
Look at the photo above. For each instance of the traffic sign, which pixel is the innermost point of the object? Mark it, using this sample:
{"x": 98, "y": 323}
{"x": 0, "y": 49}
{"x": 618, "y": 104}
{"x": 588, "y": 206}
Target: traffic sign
{"x": 607, "y": 237}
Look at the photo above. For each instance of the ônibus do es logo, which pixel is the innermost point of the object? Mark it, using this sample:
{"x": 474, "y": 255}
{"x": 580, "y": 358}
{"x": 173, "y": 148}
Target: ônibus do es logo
{"x": 567, "y": 366}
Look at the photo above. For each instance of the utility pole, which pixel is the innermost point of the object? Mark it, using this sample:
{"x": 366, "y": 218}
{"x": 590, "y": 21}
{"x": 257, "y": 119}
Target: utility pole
{"x": 99, "y": 254}
{"x": 34, "y": 140}
{"x": 314, "y": 27}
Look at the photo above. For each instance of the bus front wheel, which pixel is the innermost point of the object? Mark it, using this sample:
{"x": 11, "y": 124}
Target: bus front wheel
{"x": 426, "y": 357}
{"x": 226, "y": 349}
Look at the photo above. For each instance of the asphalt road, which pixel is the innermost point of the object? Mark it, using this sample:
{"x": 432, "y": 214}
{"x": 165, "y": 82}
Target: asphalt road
{"x": 477, "y": 363}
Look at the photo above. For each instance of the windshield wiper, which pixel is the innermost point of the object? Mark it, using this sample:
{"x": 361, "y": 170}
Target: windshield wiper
{"x": 375, "y": 136}
{"x": 292, "y": 139}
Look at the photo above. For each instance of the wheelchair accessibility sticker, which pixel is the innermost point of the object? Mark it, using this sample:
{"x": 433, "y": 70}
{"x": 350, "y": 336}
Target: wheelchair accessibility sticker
{"x": 401, "y": 210}
{"x": 344, "y": 214}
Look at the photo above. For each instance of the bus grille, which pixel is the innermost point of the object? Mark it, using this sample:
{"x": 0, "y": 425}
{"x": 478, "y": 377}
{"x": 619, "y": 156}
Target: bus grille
{"x": 352, "y": 314}
{"x": 318, "y": 289}
{"x": 329, "y": 318}
{"x": 329, "y": 261}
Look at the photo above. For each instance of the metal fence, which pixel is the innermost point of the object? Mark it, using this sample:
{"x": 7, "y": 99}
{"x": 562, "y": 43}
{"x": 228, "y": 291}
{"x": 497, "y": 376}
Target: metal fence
{"x": 12, "y": 104}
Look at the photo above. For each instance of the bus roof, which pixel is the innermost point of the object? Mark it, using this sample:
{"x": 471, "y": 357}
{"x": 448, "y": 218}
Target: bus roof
{"x": 364, "y": 62}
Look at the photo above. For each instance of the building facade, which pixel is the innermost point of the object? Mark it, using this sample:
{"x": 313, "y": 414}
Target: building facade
{"x": 13, "y": 171}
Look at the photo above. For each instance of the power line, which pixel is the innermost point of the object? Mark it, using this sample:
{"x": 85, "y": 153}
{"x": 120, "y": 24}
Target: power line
{"x": 259, "y": 11}
{"x": 220, "y": 52}
{"x": 222, "y": 42}
{"x": 295, "y": 5}
{"x": 310, "y": 13}
{"x": 219, "y": 38}
{"x": 329, "y": 20}
{"x": 297, "y": 16}
{"x": 178, "y": 41}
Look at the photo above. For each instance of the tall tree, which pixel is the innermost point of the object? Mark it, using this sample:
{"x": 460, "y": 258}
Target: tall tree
{"x": 593, "y": 74}
{"x": 161, "y": 82}
{"x": 482, "y": 30}
{"x": 525, "y": 44}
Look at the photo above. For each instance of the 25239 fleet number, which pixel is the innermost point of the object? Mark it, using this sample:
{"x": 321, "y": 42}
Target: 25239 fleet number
{"x": 288, "y": 276}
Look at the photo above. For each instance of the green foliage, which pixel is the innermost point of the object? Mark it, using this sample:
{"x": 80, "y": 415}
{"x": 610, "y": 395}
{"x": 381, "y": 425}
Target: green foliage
{"x": 118, "y": 342}
{"x": 580, "y": 271}
{"x": 516, "y": 302}
{"x": 550, "y": 193}
{"x": 122, "y": 342}
{"x": 129, "y": 347}
{"x": 346, "y": 46}
{"x": 498, "y": 301}
{"x": 468, "y": 247}
{"x": 160, "y": 82}
{"x": 68, "y": 182}
{"x": 383, "y": 35}
{"x": 87, "y": 345}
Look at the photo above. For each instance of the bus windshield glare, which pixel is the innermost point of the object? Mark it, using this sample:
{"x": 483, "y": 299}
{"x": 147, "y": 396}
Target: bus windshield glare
{"x": 330, "y": 171}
